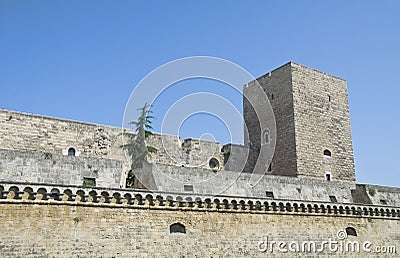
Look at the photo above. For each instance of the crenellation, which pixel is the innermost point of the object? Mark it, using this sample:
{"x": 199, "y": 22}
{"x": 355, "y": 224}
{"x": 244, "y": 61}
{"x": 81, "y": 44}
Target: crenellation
{"x": 26, "y": 193}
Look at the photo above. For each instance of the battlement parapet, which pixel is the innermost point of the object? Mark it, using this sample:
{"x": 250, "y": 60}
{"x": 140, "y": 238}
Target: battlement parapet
{"x": 16, "y": 192}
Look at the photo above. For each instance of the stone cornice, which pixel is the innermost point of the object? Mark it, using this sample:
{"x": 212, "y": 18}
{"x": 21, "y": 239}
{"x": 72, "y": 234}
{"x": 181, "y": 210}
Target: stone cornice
{"x": 26, "y": 193}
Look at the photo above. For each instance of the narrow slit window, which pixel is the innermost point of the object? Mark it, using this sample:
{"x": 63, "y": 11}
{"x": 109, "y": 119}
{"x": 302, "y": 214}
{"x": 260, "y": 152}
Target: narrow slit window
{"x": 328, "y": 177}
{"x": 266, "y": 136}
{"x": 270, "y": 167}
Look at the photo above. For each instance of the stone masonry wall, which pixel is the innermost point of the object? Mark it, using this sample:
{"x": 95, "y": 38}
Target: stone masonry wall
{"x": 21, "y": 131}
{"x": 322, "y": 122}
{"x": 278, "y": 87}
{"x": 111, "y": 225}
{"x": 228, "y": 183}
{"x": 383, "y": 195}
{"x": 39, "y": 167}
{"x": 174, "y": 151}
{"x": 312, "y": 115}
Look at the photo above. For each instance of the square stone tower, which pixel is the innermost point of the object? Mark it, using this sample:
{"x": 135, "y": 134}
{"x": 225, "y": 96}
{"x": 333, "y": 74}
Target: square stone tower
{"x": 313, "y": 134}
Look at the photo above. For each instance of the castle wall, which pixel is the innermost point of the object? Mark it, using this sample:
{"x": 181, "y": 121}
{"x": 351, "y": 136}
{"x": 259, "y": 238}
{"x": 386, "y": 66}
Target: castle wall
{"x": 21, "y": 131}
{"x": 47, "y": 168}
{"x": 383, "y": 195}
{"x": 174, "y": 151}
{"x": 127, "y": 225}
{"x": 228, "y": 183}
{"x": 322, "y": 122}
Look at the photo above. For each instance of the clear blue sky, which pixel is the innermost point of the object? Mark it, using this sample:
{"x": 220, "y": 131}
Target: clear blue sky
{"x": 81, "y": 59}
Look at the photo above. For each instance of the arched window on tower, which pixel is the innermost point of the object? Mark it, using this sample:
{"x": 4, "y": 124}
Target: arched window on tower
{"x": 71, "y": 152}
{"x": 327, "y": 153}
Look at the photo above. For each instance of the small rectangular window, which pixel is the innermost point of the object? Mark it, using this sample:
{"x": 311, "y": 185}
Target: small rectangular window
{"x": 269, "y": 167}
{"x": 269, "y": 194}
{"x": 384, "y": 202}
{"x": 89, "y": 181}
{"x": 188, "y": 188}
{"x": 332, "y": 198}
{"x": 328, "y": 177}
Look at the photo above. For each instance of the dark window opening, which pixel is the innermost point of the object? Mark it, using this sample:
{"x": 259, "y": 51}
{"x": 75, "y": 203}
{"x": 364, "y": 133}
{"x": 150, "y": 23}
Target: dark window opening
{"x": 213, "y": 163}
{"x": 327, "y": 153}
{"x": 270, "y": 167}
{"x": 269, "y": 194}
{"x": 177, "y": 228}
{"x": 329, "y": 98}
{"x": 266, "y": 136}
{"x": 89, "y": 181}
{"x": 350, "y": 231}
{"x": 188, "y": 188}
{"x": 71, "y": 152}
{"x": 384, "y": 202}
{"x": 272, "y": 97}
{"x": 332, "y": 198}
{"x": 328, "y": 177}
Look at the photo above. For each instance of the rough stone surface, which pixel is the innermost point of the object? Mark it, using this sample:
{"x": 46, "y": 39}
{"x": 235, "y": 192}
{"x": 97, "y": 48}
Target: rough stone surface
{"x": 35, "y": 230}
{"x": 312, "y": 115}
{"x": 228, "y": 183}
{"x": 383, "y": 195}
{"x": 322, "y": 122}
{"x": 47, "y": 168}
{"x": 278, "y": 84}
{"x": 21, "y": 131}
{"x": 174, "y": 151}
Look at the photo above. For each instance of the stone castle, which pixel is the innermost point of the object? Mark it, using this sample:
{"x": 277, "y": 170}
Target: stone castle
{"x": 62, "y": 185}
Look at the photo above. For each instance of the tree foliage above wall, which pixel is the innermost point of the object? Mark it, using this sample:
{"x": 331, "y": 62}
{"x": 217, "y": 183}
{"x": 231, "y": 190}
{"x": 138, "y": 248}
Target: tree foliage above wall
{"x": 135, "y": 145}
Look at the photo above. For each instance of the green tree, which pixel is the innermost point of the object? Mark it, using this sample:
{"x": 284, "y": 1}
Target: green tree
{"x": 136, "y": 146}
